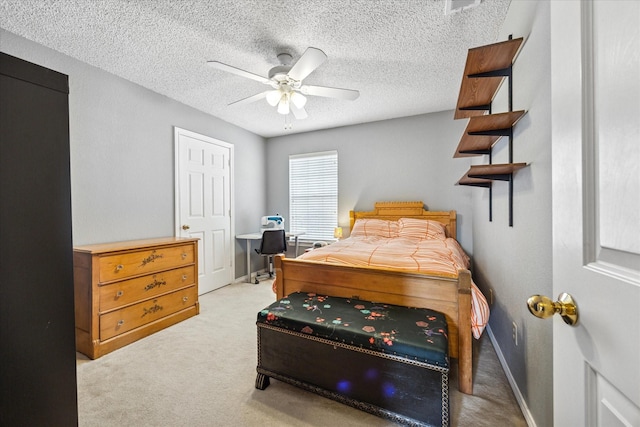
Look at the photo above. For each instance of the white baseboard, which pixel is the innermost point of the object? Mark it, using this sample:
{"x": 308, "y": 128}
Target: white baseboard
{"x": 512, "y": 382}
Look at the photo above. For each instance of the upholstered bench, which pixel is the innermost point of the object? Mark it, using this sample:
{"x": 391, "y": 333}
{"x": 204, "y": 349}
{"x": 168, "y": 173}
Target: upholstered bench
{"x": 388, "y": 360}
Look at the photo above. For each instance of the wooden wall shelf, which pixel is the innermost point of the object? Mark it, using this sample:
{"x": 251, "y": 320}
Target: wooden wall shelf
{"x": 485, "y": 69}
{"x": 483, "y": 132}
{"x": 481, "y": 175}
{"x": 484, "y": 72}
{"x": 501, "y": 172}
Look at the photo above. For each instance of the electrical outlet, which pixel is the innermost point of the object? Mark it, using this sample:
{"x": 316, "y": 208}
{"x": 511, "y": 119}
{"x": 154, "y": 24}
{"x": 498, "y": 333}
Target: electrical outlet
{"x": 515, "y": 333}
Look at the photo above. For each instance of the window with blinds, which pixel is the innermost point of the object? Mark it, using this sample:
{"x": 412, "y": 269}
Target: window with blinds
{"x": 313, "y": 195}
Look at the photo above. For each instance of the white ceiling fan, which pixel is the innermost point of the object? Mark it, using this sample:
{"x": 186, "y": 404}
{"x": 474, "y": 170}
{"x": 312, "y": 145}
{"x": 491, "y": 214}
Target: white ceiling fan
{"x": 288, "y": 92}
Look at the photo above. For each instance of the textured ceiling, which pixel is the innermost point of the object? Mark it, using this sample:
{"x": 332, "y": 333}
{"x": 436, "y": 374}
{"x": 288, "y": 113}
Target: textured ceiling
{"x": 406, "y": 57}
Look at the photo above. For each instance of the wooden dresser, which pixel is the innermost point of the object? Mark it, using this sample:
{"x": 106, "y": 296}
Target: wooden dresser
{"x": 125, "y": 291}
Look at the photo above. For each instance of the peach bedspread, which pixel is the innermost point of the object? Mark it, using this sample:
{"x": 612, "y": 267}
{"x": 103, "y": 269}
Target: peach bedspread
{"x": 441, "y": 257}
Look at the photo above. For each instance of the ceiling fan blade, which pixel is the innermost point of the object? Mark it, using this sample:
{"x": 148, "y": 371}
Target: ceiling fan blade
{"x": 250, "y": 99}
{"x": 298, "y": 113}
{"x": 237, "y": 71}
{"x": 309, "y": 61}
{"x": 330, "y": 92}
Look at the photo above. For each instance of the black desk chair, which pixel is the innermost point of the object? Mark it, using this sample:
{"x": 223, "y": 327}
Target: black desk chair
{"x": 273, "y": 242}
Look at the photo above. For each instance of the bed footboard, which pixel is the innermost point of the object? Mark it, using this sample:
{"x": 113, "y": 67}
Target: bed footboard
{"x": 451, "y": 296}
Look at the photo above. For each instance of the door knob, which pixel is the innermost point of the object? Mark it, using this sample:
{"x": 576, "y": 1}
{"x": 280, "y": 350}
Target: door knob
{"x": 185, "y": 227}
{"x": 543, "y": 307}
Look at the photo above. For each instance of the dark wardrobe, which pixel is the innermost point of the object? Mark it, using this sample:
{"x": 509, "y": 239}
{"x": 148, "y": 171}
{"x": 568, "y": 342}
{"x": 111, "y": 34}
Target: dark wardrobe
{"x": 37, "y": 353}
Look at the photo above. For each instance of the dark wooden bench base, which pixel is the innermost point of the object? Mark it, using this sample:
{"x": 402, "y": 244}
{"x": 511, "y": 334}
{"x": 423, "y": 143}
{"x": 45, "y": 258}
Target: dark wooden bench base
{"x": 402, "y": 390}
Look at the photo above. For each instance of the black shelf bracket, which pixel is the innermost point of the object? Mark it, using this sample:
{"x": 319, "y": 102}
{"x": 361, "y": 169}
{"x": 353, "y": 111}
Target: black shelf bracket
{"x": 491, "y": 188}
{"x": 503, "y": 72}
{"x": 474, "y": 151}
{"x": 496, "y": 177}
{"x": 511, "y": 200}
{"x": 477, "y": 184}
{"x": 485, "y": 107}
{"x": 491, "y": 204}
{"x": 493, "y": 132}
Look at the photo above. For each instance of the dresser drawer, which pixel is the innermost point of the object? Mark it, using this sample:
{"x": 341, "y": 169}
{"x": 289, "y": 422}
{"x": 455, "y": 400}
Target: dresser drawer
{"x": 123, "y": 265}
{"x": 118, "y": 294}
{"x": 123, "y": 320}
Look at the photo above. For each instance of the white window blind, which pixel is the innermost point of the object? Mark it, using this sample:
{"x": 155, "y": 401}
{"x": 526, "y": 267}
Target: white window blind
{"x": 313, "y": 195}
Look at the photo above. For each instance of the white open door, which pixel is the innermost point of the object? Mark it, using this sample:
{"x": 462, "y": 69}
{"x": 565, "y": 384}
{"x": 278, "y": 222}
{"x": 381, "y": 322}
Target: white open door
{"x": 595, "y": 65}
{"x": 204, "y": 204}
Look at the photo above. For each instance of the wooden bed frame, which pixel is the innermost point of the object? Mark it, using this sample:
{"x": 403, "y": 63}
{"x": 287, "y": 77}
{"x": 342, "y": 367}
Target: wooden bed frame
{"x": 449, "y": 296}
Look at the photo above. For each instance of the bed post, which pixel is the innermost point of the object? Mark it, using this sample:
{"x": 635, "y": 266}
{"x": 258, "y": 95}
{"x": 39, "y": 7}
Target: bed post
{"x": 465, "y": 347}
{"x": 453, "y": 225}
{"x": 278, "y": 283}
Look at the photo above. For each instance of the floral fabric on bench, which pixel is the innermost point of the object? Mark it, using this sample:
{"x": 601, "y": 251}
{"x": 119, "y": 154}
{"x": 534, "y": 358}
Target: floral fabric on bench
{"x": 415, "y": 333}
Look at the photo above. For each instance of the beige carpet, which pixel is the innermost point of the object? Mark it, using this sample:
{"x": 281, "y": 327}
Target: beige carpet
{"x": 201, "y": 372}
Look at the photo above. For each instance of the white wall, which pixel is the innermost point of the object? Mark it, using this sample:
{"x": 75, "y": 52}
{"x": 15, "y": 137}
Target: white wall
{"x": 516, "y": 262}
{"x": 122, "y": 149}
{"x": 404, "y": 159}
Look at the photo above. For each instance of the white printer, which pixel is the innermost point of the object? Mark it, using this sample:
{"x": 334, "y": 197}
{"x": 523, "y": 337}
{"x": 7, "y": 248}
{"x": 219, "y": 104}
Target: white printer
{"x": 272, "y": 222}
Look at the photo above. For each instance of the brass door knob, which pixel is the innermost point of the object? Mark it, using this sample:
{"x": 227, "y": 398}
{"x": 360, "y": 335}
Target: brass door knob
{"x": 543, "y": 307}
{"x": 185, "y": 227}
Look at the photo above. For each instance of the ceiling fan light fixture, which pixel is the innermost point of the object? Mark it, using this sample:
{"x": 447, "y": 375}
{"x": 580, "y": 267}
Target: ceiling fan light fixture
{"x": 283, "y": 105}
{"x": 298, "y": 99}
{"x": 273, "y": 97}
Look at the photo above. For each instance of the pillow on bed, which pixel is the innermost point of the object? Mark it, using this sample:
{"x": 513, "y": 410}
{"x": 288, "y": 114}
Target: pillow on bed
{"x": 369, "y": 227}
{"x": 413, "y": 228}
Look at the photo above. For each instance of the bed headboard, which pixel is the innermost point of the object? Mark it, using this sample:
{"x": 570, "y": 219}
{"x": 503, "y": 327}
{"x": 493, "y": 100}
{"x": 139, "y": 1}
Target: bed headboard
{"x": 396, "y": 210}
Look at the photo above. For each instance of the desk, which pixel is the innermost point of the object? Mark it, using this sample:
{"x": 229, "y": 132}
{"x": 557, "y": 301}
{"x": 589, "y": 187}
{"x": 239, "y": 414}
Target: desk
{"x": 258, "y": 236}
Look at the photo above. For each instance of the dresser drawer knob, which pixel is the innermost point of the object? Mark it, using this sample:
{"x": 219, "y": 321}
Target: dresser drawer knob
{"x": 119, "y": 267}
{"x": 119, "y": 293}
{"x": 184, "y": 277}
{"x": 185, "y": 299}
{"x": 184, "y": 255}
{"x": 120, "y": 322}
